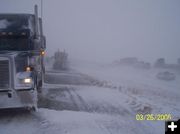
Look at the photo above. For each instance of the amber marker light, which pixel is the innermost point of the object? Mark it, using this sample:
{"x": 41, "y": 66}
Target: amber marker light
{"x": 28, "y": 69}
{"x": 10, "y": 33}
{"x": 4, "y": 33}
{"x": 23, "y": 33}
{"x": 42, "y": 53}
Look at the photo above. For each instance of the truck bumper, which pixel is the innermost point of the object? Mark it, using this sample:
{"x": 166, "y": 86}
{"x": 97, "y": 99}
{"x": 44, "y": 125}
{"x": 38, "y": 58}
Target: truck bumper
{"x": 18, "y": 99}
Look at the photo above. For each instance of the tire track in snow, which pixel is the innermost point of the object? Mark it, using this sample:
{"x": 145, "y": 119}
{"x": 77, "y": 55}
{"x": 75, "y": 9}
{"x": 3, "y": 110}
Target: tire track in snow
{"x": 78, "y": 103}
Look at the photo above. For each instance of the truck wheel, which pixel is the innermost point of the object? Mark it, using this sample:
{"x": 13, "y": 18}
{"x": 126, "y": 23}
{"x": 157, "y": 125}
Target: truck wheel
{"x": 39, "y": 88}
{"x": 34, "y": 107}
{"x": 40, "y": 83}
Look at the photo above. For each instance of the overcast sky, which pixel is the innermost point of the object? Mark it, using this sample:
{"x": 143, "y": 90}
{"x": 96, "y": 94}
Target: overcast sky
{"x": 108, "y": 29}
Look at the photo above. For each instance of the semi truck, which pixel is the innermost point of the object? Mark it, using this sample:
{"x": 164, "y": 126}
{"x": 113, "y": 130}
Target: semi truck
{"x": 22, "y": 49}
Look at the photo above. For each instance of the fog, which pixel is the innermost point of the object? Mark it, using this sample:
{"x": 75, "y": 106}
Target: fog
{"x": 105, "y": 30}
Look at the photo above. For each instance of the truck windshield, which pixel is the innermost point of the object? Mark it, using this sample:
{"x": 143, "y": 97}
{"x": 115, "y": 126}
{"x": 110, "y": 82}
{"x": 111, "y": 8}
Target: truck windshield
{"x": 14, "y": 22}
{"x": 14, "y": 44}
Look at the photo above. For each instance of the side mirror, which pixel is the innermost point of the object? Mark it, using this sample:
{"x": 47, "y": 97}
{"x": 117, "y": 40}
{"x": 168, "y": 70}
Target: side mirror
{"x": 37, "y": 43}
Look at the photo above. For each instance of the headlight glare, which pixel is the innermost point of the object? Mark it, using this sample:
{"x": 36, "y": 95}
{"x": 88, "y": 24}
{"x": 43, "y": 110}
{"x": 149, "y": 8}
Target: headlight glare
{"x": 27, "y": 80}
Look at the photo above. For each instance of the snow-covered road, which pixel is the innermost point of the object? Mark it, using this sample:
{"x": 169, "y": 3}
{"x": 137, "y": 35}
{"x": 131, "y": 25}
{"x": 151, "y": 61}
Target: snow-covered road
{"x": 76, "y": 103}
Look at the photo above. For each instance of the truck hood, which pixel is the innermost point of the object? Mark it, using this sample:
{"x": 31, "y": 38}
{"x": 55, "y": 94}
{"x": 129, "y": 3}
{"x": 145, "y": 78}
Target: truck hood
{"x": 12, "y": 53}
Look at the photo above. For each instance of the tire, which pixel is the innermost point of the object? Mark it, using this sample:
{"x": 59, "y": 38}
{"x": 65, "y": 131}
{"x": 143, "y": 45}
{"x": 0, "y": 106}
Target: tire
{"x": 34, "y": 108}
{"x": 40, "y": 83}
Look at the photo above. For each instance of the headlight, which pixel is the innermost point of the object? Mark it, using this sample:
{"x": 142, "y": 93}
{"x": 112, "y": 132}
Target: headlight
{"x": 28, "y": 80}
{"x": 23, "y": 80}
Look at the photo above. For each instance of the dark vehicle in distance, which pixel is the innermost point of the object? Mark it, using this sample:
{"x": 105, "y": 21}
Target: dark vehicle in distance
{"x": 167, "y": 76}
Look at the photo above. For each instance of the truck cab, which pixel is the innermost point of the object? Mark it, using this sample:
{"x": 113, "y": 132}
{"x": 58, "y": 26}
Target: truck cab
{"x": 22, "y": 48}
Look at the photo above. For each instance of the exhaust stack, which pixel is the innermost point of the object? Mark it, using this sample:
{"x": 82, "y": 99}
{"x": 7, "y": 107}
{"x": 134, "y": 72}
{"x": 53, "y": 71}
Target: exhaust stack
{"x": 40, "y": 25}
{"x": 36, "y": 20}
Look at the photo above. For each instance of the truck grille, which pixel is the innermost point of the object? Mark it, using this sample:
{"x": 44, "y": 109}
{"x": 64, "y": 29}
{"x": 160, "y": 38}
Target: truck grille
{"x": 4, "y": 74}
